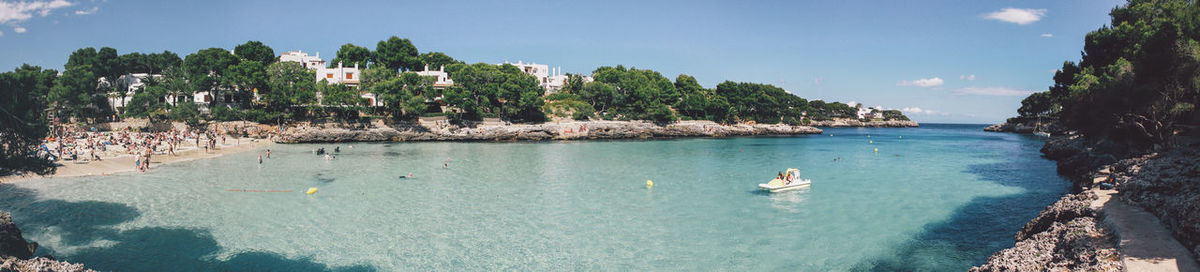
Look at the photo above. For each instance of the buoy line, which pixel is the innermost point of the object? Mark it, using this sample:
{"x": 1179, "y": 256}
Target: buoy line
{"x": 262, "y": 191}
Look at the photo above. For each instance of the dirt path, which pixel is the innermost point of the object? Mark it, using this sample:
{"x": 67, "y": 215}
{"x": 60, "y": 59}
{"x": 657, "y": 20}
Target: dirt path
{"x": 1145, "y": 244}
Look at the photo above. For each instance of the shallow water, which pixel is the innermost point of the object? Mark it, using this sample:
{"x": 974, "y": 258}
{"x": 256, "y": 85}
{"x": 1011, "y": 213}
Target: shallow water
{"x": 939, "y": 197}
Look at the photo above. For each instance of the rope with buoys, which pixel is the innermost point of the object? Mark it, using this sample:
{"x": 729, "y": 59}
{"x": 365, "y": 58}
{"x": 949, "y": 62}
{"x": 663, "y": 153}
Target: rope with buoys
{"x": 259, "y": 191}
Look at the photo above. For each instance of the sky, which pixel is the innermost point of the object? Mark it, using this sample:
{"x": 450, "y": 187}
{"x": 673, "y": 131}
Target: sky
{"x": 939, "y": 61}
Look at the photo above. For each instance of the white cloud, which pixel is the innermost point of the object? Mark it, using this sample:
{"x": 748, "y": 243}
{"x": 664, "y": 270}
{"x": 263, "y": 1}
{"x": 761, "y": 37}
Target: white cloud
{"x": 19, "y": 29}
{"x": 1047, "y": 35}
{"x": 14, "y": 12}
{"x": 916, "y": 110}
{"x": 924, "y": 82}
{"x": 1017, "y": 16}
{"x": 88, "y": 11}
{"x": 992, "y": 91}
{"x": 817, "y": 81}
{"x": 967, "y": 77}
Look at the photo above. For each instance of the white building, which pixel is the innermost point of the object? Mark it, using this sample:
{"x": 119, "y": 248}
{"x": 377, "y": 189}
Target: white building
{"x": 441, "y": 78}
{"x": 129, "y": 84}
{"x": 310, "y": 62}
{"x": 550, "y": 79}
{"x": 341, "y": 74}
{"x": 868, "y": 112}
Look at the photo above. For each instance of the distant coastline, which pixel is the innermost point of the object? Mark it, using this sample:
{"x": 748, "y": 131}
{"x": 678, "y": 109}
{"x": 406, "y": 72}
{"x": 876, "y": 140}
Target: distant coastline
{"x": 570, "y": 130}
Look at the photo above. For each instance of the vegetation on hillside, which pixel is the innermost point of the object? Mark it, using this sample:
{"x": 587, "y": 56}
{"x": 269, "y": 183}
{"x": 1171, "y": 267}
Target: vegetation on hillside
{"x": 1138, "y": 79}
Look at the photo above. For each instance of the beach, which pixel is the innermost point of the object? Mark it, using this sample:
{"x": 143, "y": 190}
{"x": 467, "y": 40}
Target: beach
{"x": 114, "y": 163}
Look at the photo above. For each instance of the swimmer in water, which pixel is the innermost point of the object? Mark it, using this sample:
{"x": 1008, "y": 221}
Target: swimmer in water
{"x": 410, "y": 175}
{"x": 445, "y": 165}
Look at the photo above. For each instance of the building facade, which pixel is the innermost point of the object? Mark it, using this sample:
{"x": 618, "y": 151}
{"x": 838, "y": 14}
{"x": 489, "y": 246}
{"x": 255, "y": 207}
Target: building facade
{"x": 550, "y": 79}
{"x": 310, "y": 62}
{"x": 441, "y": 78}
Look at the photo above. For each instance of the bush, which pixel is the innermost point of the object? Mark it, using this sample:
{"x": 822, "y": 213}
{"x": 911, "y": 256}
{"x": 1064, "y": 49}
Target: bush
{"x": 222, "y": 113}
{"x": 661, "y": 114}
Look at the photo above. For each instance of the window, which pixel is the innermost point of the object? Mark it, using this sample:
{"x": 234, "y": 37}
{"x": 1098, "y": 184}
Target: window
{"x": 329, "y": 75}
{"x": 349, "y": 76}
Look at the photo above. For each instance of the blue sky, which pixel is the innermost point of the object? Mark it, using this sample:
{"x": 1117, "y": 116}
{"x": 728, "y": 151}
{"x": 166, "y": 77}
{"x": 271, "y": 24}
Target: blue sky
{"x": 942, "y": 61}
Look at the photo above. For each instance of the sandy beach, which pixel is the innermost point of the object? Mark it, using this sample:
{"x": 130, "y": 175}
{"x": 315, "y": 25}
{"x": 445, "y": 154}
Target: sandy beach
{"x": 125, "y": 163}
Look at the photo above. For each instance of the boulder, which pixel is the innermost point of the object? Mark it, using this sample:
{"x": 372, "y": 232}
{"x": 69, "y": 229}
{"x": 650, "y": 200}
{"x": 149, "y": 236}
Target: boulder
{"x": 12, "y": 244}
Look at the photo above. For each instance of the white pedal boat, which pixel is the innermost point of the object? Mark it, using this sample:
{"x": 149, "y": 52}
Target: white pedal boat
{"x": 778, "y": 185}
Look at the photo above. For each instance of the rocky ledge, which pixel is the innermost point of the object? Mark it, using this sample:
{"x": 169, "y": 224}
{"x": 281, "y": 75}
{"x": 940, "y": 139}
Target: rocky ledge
{"x": 857, "y": 123}
{"x": 532, "y": 132}
{"x": 1167, "y": 184}
{"x": 15, "y": 252}
{"x": 1067, "y": 236}
{"x": 1026, "y": 127}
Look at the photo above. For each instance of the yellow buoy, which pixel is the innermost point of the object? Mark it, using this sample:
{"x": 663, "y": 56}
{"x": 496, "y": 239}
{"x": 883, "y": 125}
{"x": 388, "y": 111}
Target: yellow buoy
{"x": 876, "y": 150}
{"x": 649, "y": 184}
{"x": 870, "y": 142}
{"x": 312, "y": 190}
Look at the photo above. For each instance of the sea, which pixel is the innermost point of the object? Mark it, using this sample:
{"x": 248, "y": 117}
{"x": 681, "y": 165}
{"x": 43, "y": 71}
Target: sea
{"x": 941, "y": 197}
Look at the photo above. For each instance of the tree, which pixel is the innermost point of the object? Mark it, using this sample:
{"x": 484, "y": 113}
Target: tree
{"x": 599, "y": 94}
{"x": 255, "y": 51}
{"x": 146, "y": 102}
{"x": 206, "y": 67}
{"x": 485, "y": 90}
{"x": 1039, "y": 104}
{"x": 397, "y": 52}
{"x": 75, "y": 95}
{"x": 405, "y": 95}
{"x": 247, "y": 75}
{"x": 108, "y": 64}
{"x": 436, "y": 60}
{"x": 340, "y": 99}
{"x": 637, "y": 91}
{"x": 22, "y": 119}
{"x": 375, "y": 74}
{"x": 350, "y": 55}
{"x": 289, "y": 83}
{"x": 162, "y": 61}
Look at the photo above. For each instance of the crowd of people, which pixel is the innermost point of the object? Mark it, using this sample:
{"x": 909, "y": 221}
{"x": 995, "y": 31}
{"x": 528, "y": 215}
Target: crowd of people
{"x": 73, "y": 143}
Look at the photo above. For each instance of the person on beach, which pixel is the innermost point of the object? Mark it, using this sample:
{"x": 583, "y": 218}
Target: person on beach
{"x": 268, "y": 153}
{"x": 137, "y": 164}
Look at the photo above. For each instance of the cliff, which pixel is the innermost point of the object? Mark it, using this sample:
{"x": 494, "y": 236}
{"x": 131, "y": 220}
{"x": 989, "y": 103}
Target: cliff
{"x": 305, "y": 133}
{"x": 15, "y": 252}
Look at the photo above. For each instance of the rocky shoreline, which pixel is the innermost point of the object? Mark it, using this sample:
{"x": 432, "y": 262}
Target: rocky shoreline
{"x": 1070, "y": 234}
{"x": 1027, "y": 127}
{"x": 16, "y": 254}
{"x": 591, "y": 130}
{"x": 857, "y": 123}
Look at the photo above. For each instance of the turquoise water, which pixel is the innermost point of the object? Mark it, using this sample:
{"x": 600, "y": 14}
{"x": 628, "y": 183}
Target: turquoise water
{"x": 939, "y": 197}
